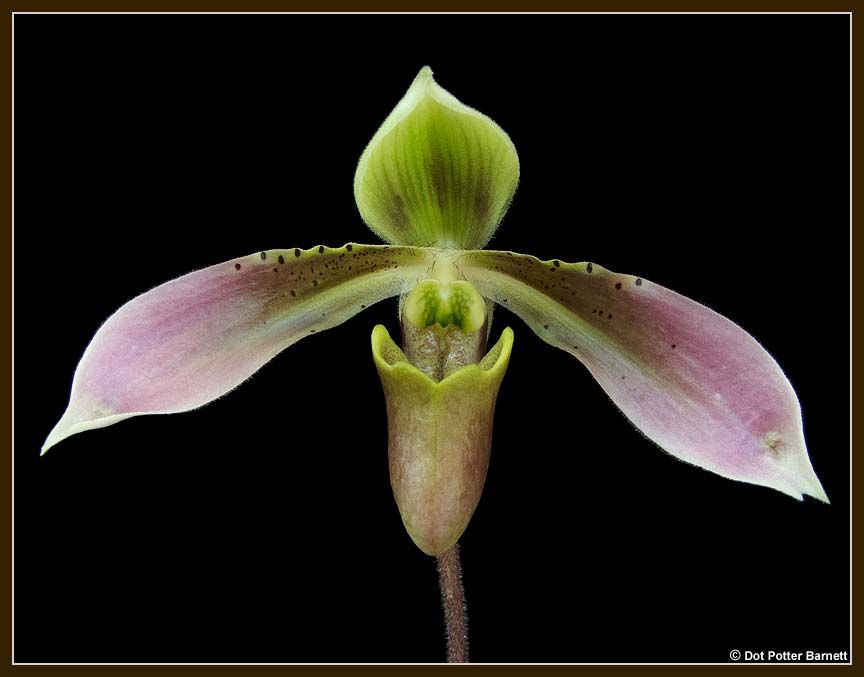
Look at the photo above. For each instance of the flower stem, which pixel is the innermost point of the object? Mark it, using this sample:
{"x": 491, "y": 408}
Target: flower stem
{"x": 455, "y": 612}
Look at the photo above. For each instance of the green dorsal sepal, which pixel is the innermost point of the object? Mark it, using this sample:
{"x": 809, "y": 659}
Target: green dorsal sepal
{"x": 446, "y": 303}
{"x": 437, "y": 172}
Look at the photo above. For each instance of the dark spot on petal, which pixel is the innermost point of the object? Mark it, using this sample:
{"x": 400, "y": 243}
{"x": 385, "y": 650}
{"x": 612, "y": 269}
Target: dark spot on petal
{"x": 674, "y": 346}
{"x": 617, "y": 285}
{"x": 545, "y": 326}
{"x": 321, "y": 249}
{"x": 275, "y": 270}
{"x": 600, "y": 313}
{"x": 557, "y": 263}
{"x": 638, "y": 281}
{"x": 237, "y": 266}
{"x": 623, "y": 377}
{"x": 314, "y": 283}
{"x": 281, "y": 259}
{"x": 296, "y": 252}
{"x": 610, "y": 317}
{"x": 362, "y": 305}
{"x": 349, "y": 247}
{"x": 293, "y": 293}
{"x": 263, "y": 255}
{"x": 594, "y": 312}
{"x": 774, "y": 443}
{"x": 590, "y": 268}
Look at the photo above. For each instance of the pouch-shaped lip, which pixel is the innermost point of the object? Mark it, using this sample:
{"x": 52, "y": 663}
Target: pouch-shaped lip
{"x": 439, "y": 439}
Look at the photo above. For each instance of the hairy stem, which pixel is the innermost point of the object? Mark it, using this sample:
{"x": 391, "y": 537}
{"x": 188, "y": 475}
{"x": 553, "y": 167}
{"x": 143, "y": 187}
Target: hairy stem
{"x": 455, "y": 612}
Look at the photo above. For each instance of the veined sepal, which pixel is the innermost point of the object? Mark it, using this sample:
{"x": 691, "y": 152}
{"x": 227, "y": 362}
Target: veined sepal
{"x": 439, "y": 438}
{"x": 436, "y": 173}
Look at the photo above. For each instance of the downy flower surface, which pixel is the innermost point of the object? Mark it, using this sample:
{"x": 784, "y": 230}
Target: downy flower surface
{"x": 434, "y": 183}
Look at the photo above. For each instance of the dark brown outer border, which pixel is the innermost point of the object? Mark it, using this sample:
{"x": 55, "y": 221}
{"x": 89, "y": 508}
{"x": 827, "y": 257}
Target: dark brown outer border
{"x": 384, "y": 5}
{"x": 427, "y": 6}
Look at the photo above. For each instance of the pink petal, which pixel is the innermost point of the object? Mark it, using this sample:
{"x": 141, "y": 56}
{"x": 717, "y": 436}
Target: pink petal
{"x": 191, "y": 340}
{"x": 693, "y": 381}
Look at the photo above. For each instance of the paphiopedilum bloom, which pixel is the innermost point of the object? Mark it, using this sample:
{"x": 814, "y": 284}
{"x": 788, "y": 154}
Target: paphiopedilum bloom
{"x": 434, "y": 183}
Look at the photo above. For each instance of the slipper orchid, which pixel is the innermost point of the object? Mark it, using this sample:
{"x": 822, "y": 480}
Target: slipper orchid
{"x": 434, "y": 183}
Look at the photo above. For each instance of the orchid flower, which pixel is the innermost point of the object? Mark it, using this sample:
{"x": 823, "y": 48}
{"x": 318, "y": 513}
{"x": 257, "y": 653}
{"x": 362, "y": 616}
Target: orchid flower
{"x": 434, "y": 183}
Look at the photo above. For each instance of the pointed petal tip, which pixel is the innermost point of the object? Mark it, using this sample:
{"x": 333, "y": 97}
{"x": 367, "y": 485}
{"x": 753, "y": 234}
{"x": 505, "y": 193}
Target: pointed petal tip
{"x": 72, "y": 424}
{"x": 808, "y": 482}
{"x": 817, "y": 491}
{"x": 823, "y": 498}
{"x": 804, "y": 484}
{"x": 819, "y": 495}
{"x": 58, "y": 433}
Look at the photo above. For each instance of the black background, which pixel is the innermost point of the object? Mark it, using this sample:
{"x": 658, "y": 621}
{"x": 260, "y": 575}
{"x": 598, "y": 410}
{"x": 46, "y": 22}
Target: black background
{"x": 706, "y": 153}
